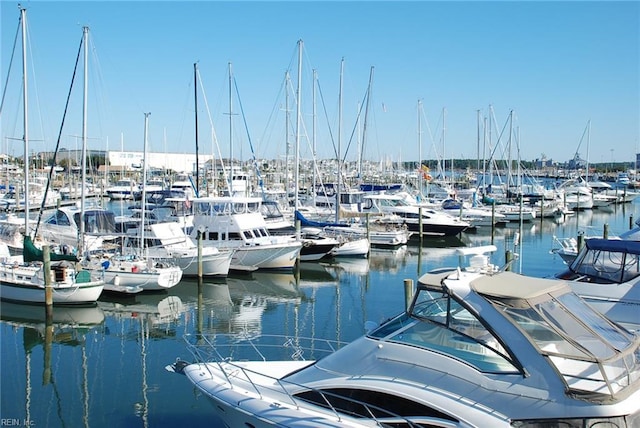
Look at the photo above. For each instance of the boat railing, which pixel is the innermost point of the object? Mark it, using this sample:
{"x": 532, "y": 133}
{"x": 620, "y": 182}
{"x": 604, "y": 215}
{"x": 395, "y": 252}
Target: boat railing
{"x": 225, "y": 353}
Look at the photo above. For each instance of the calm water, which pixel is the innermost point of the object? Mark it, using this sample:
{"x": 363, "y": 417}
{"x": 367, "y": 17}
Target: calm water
{"x": 104, "y": 366}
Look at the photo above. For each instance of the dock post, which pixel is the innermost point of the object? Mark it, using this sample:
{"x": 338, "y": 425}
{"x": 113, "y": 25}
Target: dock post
{"x": 367, "y": 215}
{"x": 46, "y": 273}
{"x": 508, "y": 257}
{"x": 580, "y": 240}
{"x": 200, "y": 254}
{"x": 298, "y": 238}
{"x": 420, "y": 223}
{"x": 493, "y": 221}
{"x": 408, "y": 292}
{"x": 631, "y": 222}
{"x": 605, "y": 231}
{"x": 200, "y": 307}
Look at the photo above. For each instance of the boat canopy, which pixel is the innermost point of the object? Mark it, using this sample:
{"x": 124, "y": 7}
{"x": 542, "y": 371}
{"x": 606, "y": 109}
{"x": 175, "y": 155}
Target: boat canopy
{"x": 617, "y": 245}
{"x": 596, "y": 359}
{"x": 519, "y": 291}
{"x": 33, "y": 254}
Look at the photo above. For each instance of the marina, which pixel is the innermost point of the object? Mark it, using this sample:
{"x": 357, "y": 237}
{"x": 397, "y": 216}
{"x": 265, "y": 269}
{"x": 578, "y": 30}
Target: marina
{"x": 104, "y": 365}
{"x": 310, "y": 282}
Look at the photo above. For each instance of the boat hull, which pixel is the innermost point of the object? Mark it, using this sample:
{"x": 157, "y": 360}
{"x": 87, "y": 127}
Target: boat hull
{"x": 158, "y": 279}
{"x": 278, "y": 256}
{"x": 213, "y": 265}
{"x": 23, "y": 284}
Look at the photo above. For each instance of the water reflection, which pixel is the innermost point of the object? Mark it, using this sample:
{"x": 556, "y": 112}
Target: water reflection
{"x": 65, "y": 327}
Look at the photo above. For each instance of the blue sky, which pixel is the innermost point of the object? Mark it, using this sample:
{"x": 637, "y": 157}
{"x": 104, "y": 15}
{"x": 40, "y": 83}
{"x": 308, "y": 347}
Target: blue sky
{"x": 556, "y": 65}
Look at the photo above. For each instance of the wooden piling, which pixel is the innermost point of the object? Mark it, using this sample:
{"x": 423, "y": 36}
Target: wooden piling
{"x": 200, "y": 254}
{"x": 508, "y": 257}
{"x": 408, "y": 292}
{"x": 420, "y": 223}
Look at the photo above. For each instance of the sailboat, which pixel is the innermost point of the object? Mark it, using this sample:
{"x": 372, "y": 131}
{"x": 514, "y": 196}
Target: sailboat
{"x": 132, "y": 273}
{"x": 25, "y": 278}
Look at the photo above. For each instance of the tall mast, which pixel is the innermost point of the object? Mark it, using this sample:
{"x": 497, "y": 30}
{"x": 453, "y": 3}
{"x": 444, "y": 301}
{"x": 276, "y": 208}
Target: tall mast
{"x": 286, "y": 134}
{"x": 144, "y": 180}
{"x": 420, "y": 174}
{"x": 339, "y": 143}
{"x": 298, "y": 113}
{"x": 588, "y": 144}
{"x": 364, "y": 126}
{"x": 313, "y": 193}
{"x": 83, "y": 161}
{"x": 195, "y": 97}
{"x": 25, "y": 120}
{"x": 230, "y": 130}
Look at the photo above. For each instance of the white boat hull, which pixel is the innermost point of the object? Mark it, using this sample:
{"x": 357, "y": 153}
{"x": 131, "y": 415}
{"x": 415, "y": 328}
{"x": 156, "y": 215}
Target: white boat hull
{"x": 155, "y": 280}
{"x": 215, "y": 264}
{"x": 25, "y": 284}
{"x": 278, "y": 256}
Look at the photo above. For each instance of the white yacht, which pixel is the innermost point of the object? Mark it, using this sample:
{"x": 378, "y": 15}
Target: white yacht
{"x": 475, "y": 348}
{"x": 62, "y": 227}
{"x": 167, "y": 240}
{"x": 125, "y": 188}
{"x": 606, "y": 273}
{"x": 236, "y": 223}
{"x": 433, "y": 223}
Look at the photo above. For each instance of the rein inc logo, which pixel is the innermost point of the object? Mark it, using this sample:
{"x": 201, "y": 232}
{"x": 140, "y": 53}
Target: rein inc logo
{"x": 14, "y": 422}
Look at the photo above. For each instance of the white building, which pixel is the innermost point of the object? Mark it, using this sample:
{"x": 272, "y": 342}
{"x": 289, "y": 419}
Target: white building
{"x": 179, "y": 162}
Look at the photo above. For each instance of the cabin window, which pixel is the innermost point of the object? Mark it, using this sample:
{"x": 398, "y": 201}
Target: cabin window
{"x": 247, "y": 234}
{"x": 239, "y": 208}
{"x": 213, "y": 236}
{"x": 60, "y": 219}
{"x": 366, "y": 403}
{"x": 202, "y": 208}
{"x": 235, "y": 236}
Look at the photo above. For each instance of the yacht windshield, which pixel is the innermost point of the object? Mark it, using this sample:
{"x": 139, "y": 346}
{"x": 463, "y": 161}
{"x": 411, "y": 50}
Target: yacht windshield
{"x": 440, "y": 323}
{"x": 591, "y": 354}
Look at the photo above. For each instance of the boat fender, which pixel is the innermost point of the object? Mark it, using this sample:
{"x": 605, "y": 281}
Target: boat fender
{"x": 116, "y": 281}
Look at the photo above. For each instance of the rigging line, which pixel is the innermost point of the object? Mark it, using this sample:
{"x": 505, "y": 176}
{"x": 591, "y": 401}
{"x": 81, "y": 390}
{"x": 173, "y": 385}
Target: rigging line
{"x": 491, "y": 159}
{"x": 53, "y": 159}
{"x": 355, "y": 127}
{"x": 246, "y": 127}
{"x": 274, "y": 109}
{"x": 213, "y": 130}
{"x": 326, "y": 116}
{"x": 13, "y": 51}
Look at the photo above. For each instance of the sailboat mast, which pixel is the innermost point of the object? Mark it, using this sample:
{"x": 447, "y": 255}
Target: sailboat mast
{"x": 195, "y": 97}
{"x": 339, "y": 143}
{"x": 420, "y": 173}
{"x": 313, "y": 186}
{"x": 588, "y": 144}
{"x": 144, "y": 180}
{"x": 298, "y": 113}
{"x": 83, "y": 162}
{"x": 286, "y": 134}
{"x": 25, "y": 120}
{"x": 364, "y": 125}
{"x": 230, "y": 131}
